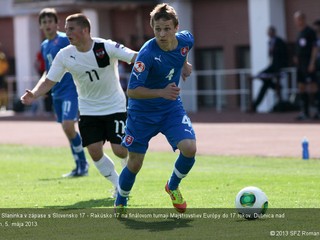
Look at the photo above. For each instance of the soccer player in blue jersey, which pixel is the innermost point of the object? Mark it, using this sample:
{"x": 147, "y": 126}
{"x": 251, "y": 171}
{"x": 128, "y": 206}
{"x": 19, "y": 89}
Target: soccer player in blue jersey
{"x": 154, "y": 105}
{"x": 64, "y": 94}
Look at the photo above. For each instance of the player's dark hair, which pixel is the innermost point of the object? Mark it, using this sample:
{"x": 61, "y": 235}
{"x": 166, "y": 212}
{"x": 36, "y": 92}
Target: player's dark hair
{"x": 80, "y": 20}
{"x": 164, "y": 11}
{"x": 48, "y": 12}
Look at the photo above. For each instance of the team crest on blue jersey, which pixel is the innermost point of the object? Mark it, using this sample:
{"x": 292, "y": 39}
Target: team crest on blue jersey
{"x": 184, "y": 51}
{"x": 139, "y": 66}
{"x": 128, "y": 140}
{"x": 100, "y": 53}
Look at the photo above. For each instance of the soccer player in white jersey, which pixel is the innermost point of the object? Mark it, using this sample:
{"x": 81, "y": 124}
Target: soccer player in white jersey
{"x": 154, "y": 105}
{"x": 93, "y": 63}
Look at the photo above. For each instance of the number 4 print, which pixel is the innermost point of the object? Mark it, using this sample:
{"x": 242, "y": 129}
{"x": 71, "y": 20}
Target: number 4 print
{"x": 186, "y": 120}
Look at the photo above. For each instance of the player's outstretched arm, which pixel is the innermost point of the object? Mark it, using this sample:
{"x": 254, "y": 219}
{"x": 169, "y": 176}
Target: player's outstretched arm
{"x": 133, "y": 59}
{"x": 42, "y": 87}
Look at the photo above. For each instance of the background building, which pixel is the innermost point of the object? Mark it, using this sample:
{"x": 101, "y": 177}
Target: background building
{"x": 229, "y": 35}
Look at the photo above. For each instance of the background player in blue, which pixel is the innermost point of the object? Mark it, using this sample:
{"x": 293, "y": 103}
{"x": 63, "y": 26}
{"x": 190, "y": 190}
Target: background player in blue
{"x": 64, "y": 94}
{"x": 155, "y": 106}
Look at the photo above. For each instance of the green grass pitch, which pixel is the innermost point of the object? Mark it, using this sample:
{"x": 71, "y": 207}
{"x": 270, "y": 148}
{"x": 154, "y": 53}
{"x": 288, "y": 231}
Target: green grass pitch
{"x": 30, "y": 180}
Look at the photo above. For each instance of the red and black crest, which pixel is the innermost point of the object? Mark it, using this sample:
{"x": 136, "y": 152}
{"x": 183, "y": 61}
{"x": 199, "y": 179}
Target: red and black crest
{"x": 101, "y": 55}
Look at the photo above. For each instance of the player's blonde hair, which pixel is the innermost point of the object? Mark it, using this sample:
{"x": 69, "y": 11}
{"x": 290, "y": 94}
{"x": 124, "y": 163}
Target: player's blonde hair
{"x": 80, "y": 20}
{"x": 164, "y": 11}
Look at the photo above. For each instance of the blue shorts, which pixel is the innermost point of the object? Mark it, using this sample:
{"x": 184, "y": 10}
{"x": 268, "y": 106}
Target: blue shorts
{"x": 66, "y": 109}
{"x": 176, "y": 126}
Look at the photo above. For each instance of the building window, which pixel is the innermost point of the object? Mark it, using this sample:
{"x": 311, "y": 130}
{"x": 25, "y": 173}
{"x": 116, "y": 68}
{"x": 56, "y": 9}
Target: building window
{"x": 209, "y": 59}
{"x": 243, "y": 57}
{"x": 243, "y": 61}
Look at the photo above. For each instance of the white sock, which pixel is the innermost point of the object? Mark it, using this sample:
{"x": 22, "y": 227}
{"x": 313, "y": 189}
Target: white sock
{"x": 124, "y": 161}
{"x": 106, "y": 167}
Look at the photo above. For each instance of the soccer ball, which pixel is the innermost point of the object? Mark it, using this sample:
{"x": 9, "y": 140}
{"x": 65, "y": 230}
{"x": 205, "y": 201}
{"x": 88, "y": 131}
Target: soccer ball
{"x": 251, "y": 202}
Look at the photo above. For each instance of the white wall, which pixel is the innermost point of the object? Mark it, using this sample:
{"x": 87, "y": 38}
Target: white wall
{"x": 184, "y": 11}
{"x": 94, "y": 21}
{"x": 26, "y": 44}
{"x": 262, "y": 14}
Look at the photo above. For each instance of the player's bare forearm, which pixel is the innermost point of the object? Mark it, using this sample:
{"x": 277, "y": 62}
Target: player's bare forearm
{"x": 42, "y": 87}
{"x": 133, "y": 59}
{"x": 186, "y": 70}
{"x": 143, "y": 93}
{"x": 171, "y": 92}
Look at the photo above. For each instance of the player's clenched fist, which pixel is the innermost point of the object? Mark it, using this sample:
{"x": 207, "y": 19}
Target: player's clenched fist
{"x": 171, "y": 91}
{"x": 27, "y": 98}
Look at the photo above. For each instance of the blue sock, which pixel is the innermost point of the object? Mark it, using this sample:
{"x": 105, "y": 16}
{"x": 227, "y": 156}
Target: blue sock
{"x": 126, "y": 181}
{"x": 77, "y": 149}
{"x": 181, "y": 168}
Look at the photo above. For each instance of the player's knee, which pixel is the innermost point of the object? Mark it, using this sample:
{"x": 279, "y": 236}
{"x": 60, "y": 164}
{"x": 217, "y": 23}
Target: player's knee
{"x": 95, "y": 151}
{"x": 188, "y": 148}
{"x": 119, "y": 151}
{"x": 134, "y": 166}
{"x": 135, "y": 162}
{"x": 96, "y": 156}
{"x": 191, "y": 152}
{"x": 69, "y": 129}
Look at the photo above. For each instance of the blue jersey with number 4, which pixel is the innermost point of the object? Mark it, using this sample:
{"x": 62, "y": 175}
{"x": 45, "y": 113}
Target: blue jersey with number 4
{"x": 49, "y": 49}
{"x": 155, "y": 69}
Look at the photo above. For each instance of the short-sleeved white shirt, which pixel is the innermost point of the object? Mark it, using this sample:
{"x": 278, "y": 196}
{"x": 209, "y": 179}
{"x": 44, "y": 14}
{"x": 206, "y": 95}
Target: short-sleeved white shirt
{"x": 99, "y": 89}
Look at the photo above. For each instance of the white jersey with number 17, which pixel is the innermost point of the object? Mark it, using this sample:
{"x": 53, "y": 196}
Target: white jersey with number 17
{"x": 95, "y": 74}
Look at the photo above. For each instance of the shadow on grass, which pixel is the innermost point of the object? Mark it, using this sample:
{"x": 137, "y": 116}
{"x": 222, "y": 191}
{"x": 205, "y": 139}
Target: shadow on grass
{"x": 52, "y": 179}
{"x": 60, "y": 178}
{"x": 153, "y": 225}
{"x": 92, "y": 203}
